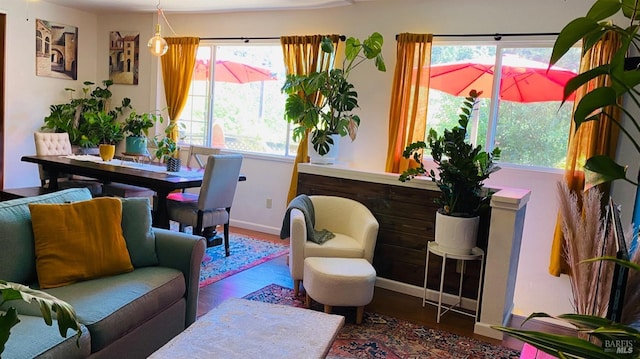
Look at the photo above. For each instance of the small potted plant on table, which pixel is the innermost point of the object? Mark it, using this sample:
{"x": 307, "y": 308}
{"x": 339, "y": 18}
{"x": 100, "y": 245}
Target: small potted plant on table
{"x": 167, "y": 149}
{"x": 137, "y": 127}
{"x": 107, "y": 131}
{"x": 462, "y": 169}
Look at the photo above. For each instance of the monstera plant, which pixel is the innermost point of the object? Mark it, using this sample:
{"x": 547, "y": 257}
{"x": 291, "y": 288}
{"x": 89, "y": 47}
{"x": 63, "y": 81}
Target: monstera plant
{"x": 65, "y": 314}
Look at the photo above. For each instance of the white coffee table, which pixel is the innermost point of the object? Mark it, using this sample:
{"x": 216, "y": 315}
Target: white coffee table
{"x": 240, "y": 328}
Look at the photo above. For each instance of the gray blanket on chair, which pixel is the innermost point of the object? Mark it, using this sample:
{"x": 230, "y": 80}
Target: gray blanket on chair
{"x": 304, "y": 204}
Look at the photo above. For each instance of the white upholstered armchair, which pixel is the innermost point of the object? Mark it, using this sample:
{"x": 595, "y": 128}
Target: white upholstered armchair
{"x": 354, "y": 226}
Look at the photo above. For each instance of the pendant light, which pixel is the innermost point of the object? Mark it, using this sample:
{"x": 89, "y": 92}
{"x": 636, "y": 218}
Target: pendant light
{"x": 157, "y": 45}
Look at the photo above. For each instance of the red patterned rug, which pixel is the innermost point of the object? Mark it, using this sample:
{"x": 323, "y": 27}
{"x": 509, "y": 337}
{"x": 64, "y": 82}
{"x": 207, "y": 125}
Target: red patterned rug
{"x": 383, "y": 337}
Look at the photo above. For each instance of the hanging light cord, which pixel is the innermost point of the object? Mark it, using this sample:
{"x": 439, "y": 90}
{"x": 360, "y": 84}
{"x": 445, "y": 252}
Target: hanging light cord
{"x": 161, "y": 13}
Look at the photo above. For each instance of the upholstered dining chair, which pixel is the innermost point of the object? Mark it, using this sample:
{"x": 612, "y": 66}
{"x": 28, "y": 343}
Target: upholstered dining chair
{"x": 198, "y": 155}
{"x": 58, "y": 144}
{"x": 354, "y": 226}
{"x": 212, "y": 205}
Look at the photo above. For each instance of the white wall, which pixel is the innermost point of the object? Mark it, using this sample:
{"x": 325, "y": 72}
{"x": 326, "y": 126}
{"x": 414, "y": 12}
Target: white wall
{"x": 27, "y": 96}
{"x": 535, "y": 291}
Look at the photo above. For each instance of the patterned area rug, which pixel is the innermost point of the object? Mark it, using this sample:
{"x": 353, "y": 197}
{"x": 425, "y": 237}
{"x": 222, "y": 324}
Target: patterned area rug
{"x": 384, "y": 337}
{"x": 245, "y": 253}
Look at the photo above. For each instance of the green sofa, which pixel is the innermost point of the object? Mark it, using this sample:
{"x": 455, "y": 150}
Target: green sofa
{"x": 128, "y": 315}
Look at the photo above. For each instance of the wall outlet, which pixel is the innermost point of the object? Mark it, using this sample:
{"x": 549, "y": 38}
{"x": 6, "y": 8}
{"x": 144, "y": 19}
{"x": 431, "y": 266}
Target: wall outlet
{"x": 269, "y": 202}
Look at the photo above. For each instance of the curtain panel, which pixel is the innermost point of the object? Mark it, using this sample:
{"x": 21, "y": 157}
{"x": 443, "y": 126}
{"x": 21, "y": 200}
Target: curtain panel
{"x": 409, "y": 100}
{"x": 592, "y": 138}
{"x": 177, "y": 69}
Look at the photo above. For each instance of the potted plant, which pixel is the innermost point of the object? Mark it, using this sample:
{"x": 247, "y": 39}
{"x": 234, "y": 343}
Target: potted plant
{"x": 106, "y": 131}
{"x": 137, "y": 126}
{"x": 462, "y": 169}
{"x": 332, "y": 118}
{"x": 70, "y": 117}
{"x": 65, "y": 314}
{"x": 167, "y": 149}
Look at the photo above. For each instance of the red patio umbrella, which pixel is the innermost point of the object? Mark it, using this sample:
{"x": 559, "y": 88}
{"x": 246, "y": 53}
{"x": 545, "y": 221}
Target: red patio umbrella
{"x": 233, "y": 72}
{"x": 521, "y": 80}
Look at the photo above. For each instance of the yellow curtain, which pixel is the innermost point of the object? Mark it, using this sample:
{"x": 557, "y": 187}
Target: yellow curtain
{"x": 592, "y": 138}
{"x": 177, "y": 69}
{"x": 302, "y": 55}
{"x": 409, "y": 97}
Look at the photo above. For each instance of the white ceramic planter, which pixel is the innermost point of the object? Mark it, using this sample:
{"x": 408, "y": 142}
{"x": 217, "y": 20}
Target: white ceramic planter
{"x": 456, "y": 235}
{"x": 329, "y": 158}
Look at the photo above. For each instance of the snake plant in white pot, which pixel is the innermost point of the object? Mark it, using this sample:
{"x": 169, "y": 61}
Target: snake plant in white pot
{"x": 462, "y": 169}
{"x": 332, "y": 118}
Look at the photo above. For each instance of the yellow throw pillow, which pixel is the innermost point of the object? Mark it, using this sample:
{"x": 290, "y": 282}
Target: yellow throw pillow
{"x": 78, "y": 241}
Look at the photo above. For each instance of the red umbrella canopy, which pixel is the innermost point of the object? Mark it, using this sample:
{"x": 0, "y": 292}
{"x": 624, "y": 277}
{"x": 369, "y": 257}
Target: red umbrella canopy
{"x": 521, "y": 80}
{"x": 233, "y": 72}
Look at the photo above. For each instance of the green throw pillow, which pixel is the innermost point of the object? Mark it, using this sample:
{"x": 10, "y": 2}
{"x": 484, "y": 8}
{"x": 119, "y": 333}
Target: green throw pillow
{"x": 136, "y": 227}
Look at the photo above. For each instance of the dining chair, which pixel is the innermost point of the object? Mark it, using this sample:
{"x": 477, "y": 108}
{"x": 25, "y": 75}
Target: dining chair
{"x": 200, "y": 155}
{"x": 58, "y": 144}
{"x": 212, "y": 205}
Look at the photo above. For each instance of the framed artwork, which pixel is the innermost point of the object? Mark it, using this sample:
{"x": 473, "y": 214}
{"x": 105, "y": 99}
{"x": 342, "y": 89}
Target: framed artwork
{"x": 56, "y": 50}
{"x": 124, "y": 48}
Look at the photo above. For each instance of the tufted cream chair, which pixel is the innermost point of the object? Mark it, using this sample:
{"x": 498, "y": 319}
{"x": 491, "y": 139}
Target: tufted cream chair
{"x": 58, "y": 144}
{"x": 354, "y": 226}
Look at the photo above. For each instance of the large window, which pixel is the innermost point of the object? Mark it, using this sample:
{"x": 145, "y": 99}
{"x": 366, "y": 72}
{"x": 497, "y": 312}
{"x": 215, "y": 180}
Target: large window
{"x": 235, "y": 100}
{"x": 519, "y": 111}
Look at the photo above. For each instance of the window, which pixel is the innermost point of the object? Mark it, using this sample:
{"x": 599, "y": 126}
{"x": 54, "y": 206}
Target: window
{"x": 531, "y": 130}
{"x": 235, "y": 100}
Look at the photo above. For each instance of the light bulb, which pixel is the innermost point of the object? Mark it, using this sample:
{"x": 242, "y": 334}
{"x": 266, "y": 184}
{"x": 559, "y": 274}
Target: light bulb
{"x": 157, "y": 45}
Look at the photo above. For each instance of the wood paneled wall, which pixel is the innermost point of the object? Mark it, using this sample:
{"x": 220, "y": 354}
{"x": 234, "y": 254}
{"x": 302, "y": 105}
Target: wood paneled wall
{"x": 406, "y": 216}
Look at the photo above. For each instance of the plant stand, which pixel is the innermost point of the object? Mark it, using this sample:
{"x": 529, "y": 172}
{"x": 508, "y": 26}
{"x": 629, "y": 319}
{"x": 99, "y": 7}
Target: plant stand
{"x": 476, "y": 254}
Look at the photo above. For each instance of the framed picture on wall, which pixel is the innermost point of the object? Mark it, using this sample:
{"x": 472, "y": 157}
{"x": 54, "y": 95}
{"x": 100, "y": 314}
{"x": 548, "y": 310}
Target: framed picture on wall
{"x": 123, "y": 57}
{"x": 56, "y": 50}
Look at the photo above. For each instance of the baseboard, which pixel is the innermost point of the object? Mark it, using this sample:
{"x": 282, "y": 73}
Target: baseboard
{"x": 415, "y": 291}
{"x": 255, "y": 227}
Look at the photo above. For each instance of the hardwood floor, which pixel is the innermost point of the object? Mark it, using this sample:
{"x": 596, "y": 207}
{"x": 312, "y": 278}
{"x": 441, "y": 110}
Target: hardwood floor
{"x": 384, "y": 301}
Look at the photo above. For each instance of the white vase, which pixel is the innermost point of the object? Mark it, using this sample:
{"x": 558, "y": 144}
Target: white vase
{"x": 330, "y": 157}
{"x": 456, "y": 235}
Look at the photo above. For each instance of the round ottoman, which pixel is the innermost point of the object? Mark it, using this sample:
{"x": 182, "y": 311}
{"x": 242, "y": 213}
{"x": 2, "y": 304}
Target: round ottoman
{"x": 342, "y": 282}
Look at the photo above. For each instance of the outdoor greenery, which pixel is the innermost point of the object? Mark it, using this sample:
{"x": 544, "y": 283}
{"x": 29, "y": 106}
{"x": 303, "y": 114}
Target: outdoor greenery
{"x": 71, "y": 117}
{"x": 65, "y": 314}
{"x": 332, "y": 116}
{"x": 462, "y": 167}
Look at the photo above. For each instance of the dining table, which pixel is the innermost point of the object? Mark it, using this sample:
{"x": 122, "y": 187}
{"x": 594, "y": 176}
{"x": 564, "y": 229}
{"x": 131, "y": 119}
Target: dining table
{"x": 148, "y": 175}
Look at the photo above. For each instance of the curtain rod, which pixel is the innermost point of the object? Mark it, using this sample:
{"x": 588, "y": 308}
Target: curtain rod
{"x": 498, "y": 36}
{"x": 247, "y": 39}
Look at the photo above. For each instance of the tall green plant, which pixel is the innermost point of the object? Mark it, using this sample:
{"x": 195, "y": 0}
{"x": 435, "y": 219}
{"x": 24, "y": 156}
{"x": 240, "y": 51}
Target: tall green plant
{"x": 333, "y": 115}
{"x": 462, "y": 167}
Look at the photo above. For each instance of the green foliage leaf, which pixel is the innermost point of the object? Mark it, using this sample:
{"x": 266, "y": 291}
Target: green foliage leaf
{"x": 592, "y": 102}
{"x": 601, "y": 169}
{"x": 327, "y": 45}
{"x": 576, "y": 82}
{"x": 373, "y": 45}
{"x": 629, "y": 8}
{"x": 570, "y": 35}
{"x": 603, "y": 9}
{"x": 352, "y": 48}
{"x": 7, "y": 321}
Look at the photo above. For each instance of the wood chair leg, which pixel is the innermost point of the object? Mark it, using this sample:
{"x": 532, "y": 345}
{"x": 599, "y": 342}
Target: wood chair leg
{"x": 327, "y": 309}
{"x": 359, "y": 314}
{"x": 296, "y": 287}
{"x": 307, "y": 301}
{"x": 226, "y": 239}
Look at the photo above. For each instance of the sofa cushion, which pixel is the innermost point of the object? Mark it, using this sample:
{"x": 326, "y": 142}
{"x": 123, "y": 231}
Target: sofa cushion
{"x": 112, "y": 306}
{"x": 16, "y": 236}
{"x": 136, "y": 227}
{"x": 78, "y": 241}
{"x": 32, "y": 337}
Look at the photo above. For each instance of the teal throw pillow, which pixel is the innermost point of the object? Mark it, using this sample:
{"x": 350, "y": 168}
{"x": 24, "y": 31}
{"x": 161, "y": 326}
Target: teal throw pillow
{"x": 136, "y": 227}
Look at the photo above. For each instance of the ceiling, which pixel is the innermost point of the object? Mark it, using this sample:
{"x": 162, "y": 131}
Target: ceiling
{"x": 193, "y": 6}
